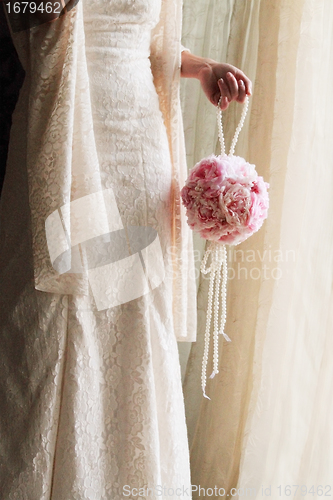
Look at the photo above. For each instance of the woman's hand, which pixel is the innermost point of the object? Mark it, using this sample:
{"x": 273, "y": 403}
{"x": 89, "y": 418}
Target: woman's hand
{"x": 217, "y": 79}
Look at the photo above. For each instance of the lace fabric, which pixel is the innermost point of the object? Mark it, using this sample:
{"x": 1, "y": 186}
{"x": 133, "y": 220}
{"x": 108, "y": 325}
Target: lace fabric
{"x": 93, "y": 394}
{"x": 62, "y": 160}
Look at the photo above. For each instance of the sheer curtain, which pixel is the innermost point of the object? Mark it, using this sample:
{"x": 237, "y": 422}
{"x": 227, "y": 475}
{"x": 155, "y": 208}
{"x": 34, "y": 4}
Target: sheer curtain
{"x": 268, "y": 423}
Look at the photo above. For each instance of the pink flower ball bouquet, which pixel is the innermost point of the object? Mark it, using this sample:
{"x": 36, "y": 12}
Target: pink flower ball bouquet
{"x": 225, "y": 199}
{"x": 226, "y": 202}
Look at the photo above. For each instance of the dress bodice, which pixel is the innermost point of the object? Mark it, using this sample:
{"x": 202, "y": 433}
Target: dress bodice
{"x": 117, "y": 45}
{"x": 107, "y": 15}
{"x": 120, "y": 28}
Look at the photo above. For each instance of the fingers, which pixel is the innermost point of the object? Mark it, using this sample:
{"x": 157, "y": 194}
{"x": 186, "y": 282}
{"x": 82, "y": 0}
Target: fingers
{"x": 224, "y": 89}
{"x": 224, "y": 103}
{"x": 241, "y": 91}
{"x": 240, "y": 76}
{"x": 232, "y": 85}
{"x": 248, "y": 85}
{"x": 233, "y": 89}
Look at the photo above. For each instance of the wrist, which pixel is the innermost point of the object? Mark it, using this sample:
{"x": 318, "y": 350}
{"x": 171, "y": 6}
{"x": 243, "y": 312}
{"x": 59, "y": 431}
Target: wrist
{"x": 195, "y": 66}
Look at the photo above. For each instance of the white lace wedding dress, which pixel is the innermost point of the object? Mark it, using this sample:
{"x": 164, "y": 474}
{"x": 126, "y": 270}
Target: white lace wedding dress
{"x": 92, "y": 403}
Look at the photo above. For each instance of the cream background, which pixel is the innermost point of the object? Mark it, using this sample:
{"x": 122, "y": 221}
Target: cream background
{"x": 269, "y": 420}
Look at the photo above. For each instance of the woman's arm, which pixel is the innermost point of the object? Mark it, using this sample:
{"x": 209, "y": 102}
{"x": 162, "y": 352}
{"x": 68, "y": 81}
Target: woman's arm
{"x": 216, "y": 79}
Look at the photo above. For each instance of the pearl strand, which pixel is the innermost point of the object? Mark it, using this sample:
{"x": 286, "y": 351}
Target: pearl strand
{"x": 238, "y": 129}
{"x": 218, "y": 263}
{"x": 220, "y": 127}
{"x": 224, "y": 293}
{"x": 206, "y": 270}
{"x": 217, "y": 257}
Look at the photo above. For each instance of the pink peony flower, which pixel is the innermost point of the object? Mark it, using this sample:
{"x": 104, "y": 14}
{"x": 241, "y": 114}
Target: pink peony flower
{"x": 225, "y": 199}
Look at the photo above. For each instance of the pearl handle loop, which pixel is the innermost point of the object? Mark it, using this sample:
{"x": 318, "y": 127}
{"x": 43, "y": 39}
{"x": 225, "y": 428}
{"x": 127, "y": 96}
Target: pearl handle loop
{"x": 238, "y": 129}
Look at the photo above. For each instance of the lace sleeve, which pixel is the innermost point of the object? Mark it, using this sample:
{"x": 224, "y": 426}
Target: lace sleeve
{"x": 166, "y": 61}
{"x": 61, "y": 157}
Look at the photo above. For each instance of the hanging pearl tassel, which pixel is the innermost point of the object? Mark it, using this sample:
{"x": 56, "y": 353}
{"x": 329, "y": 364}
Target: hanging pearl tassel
{"x": 217, "y": 268}
{"x": 218, "y": 265}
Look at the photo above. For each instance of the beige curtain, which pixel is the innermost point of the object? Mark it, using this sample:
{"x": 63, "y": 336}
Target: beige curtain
{"x": 269, "y": 421}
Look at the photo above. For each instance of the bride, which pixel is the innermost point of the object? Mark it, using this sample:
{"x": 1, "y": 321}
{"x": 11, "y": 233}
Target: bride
{"x": 92, "y": 404}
